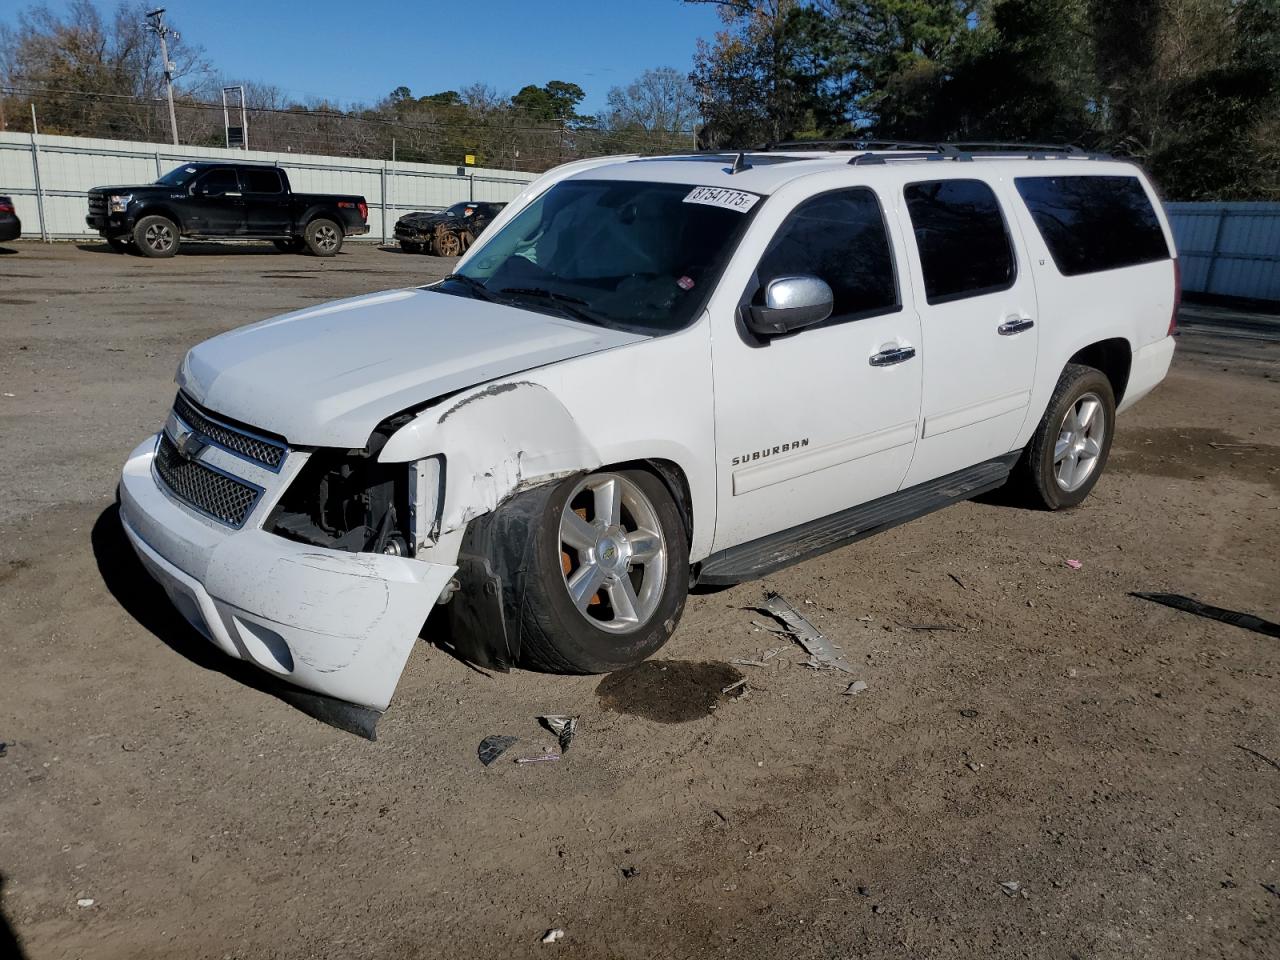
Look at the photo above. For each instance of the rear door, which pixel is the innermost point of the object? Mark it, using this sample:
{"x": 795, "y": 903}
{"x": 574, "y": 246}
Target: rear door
{"x": 978, "y": 316}
{"x": 266, "y": 205}
{"x": 825, "y": 418}
{"x": 216, "y": 207}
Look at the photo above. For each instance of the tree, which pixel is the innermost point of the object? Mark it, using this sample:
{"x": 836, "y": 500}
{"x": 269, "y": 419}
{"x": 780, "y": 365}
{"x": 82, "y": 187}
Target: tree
{"x": 557, "y": 100}
{"x": 660, "y": 102}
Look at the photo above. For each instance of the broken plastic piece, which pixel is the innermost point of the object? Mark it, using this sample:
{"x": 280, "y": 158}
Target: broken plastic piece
{"x": 1010, "y": 887}
{"x": 492, "y": 747}
{"x": 541, "y": 758}
{"x": 822, "y": 652}
{"x": 1246, "y": 621}
{"x": 563, "y": 727}
{"x": 553, "y": 936}
{"x": 734, "y": 686}
{"x": 1074, "y": 564}
{"x": 855, "y": 688}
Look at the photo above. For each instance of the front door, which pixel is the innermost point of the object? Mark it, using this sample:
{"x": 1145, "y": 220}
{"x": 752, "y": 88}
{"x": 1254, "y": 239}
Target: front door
{"x": 216, "y": 207}
{"x": 825, "y": 418}
{"x": 978, "y": 312}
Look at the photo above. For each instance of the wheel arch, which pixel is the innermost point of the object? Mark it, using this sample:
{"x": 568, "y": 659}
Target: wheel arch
{"x": 1113, "y": 357}
{"x": 159, "y": 210}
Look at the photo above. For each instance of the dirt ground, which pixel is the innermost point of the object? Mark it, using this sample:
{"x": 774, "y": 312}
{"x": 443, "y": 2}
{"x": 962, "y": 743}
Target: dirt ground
{"x": 1108, "y": 756}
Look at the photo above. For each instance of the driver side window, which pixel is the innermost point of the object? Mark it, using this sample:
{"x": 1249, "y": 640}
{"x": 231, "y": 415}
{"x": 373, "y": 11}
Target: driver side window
{"x": 215, "y": 183}
{"x": 839, "y": 237}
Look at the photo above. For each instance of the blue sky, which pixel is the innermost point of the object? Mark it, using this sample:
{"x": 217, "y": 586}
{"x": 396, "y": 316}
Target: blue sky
{"x": 359, "y": 51}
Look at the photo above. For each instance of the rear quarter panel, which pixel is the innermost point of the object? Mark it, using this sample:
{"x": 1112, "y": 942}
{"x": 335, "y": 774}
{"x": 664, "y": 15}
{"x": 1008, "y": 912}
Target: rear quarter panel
{"x": 1131, "y": 303}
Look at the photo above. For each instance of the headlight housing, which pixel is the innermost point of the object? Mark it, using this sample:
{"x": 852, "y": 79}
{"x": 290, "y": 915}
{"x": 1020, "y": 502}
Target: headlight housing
{"x": 119, "y": 201}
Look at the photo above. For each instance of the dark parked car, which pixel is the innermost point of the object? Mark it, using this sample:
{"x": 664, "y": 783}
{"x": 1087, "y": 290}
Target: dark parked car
{"x": 10, "y": 225}
{"x": 446, "y": 232}
{"x": 219, "y": 201}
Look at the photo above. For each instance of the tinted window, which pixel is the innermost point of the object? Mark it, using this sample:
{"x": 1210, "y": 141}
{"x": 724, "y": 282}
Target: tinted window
{"x": 261, "y": 181}
{"x": 1094, "y": 223}
{"x": 964, "y": 247}
{"x": 219, "y": 181}
{"x": 839, "y": 237}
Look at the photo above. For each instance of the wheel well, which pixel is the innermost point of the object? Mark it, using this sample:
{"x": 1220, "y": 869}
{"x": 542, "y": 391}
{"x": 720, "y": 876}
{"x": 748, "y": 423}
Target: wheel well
{"x": 159, "y": 212}
{"x": 1113, "y": 357}
{"x": 677, "y": 485}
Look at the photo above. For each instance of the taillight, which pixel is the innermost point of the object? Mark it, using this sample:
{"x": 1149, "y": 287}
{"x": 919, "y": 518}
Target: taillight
{"x": 6, "y": 207}
{"x": 364, "y": 210}
{"x": 1177, "y": 296}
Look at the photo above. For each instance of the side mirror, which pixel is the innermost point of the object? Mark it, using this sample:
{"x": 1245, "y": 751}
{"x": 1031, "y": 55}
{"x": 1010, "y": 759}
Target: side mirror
{"x": 791, "y": 303}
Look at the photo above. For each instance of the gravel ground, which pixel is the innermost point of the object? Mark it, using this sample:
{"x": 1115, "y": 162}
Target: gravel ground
{"x": 1112, "y": 763}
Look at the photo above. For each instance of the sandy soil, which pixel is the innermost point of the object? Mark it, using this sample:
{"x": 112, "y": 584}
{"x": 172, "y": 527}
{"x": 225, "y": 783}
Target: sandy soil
{"x": 1107, "y": 755}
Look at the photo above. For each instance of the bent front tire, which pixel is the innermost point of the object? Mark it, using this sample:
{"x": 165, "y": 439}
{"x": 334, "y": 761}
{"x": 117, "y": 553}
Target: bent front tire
{"x": 1069, "y": 449}
{"x": 608, "y": 577}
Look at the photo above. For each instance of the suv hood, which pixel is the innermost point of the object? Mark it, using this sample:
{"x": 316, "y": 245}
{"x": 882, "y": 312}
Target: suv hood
{"x": 328, "y": 375}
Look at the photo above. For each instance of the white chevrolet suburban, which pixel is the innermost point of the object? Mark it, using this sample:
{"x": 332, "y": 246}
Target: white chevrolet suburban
{"x": 650, "y": 373}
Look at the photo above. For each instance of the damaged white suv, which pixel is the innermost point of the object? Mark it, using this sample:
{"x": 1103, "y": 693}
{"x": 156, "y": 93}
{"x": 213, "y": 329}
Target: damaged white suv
{"x": 649, "y": 373}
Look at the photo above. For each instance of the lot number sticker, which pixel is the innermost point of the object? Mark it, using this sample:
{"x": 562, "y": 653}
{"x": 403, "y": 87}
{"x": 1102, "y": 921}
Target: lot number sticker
{"x": 719, "y": 197}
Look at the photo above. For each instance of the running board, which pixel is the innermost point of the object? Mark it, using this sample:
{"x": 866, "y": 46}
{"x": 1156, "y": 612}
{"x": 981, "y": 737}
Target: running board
{"x": 759, "y": 558}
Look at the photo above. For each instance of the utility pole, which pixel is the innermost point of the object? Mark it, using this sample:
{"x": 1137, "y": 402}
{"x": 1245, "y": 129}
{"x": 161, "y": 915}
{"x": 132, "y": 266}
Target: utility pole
{"x": 155, "y": 23}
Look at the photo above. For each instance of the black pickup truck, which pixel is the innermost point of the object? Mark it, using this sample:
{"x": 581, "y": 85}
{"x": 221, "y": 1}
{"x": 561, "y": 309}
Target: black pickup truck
{"x": 210, "y": 200}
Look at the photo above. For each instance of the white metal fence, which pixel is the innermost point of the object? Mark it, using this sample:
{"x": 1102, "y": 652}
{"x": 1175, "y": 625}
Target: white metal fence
{"x": 1228, "y": 249}
{"x": 47, "y": 178}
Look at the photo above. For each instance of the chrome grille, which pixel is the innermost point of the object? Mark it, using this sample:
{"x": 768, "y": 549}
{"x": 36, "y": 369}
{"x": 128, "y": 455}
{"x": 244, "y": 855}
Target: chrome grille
{"x": 210, "y": 491}
{"x": 268, "y": 451}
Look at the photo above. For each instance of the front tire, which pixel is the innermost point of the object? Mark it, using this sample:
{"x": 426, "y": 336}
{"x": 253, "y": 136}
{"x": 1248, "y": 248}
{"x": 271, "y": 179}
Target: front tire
{"x": 608, "y": 577}
{"x": 323, "y": 238}
{"x": 1069, "y": 449}
{"x": 156, "y": 237}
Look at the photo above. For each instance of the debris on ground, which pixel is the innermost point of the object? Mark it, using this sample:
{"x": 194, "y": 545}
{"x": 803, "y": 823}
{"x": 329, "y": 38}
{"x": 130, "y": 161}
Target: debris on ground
{"x": 563, "y": 727}
{"x": 1246, "y": 621}
{"x": 855, "y": 688}
{"x": 629, "y": 872}
{"x": 930, "y": 627}
{"x": 85, "y": 902}
{"x": 763, "y": 659}
{"x": 959, "y": 582}
{"x": 969, "y": 713}
{"x": 822, "y": 652}
{"x": 1074, "y": 564}
{"x": 492, "y": 747}
{"x": 734, "y": 686}
{"x": 553, "y": 936}
{"x": 4, "y": 748}
{"x": 1010, "y": 887}
{"x": 540, "y": 758}
{"x": 1263, "y": 757}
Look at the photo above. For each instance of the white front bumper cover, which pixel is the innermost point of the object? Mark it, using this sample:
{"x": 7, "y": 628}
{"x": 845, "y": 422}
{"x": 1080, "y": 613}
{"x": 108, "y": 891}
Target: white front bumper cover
{"x": 337, "y": 623}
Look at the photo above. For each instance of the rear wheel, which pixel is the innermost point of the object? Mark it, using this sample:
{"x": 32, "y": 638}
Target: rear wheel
{"x": 609, "y": 574}
{"x": 1069, "y": 449}
{"x": 448, "y": 244}
{"x": 324, "y": 238}
{"x": 156, "y": 236}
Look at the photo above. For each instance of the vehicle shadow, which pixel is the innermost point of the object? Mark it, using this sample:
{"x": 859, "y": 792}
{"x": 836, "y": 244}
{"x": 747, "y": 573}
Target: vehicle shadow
{"x": 9, "y": 944}
{"x": 145, "y": 600}
{"x": 5, "y": 251}
{"x": 203, "y": 249}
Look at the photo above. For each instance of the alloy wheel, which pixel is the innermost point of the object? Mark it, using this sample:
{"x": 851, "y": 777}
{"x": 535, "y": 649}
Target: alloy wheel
{"x": 1080, "y": 441}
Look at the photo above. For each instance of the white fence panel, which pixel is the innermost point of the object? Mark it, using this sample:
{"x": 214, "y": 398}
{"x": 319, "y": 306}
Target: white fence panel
{"x": 1228, "y": 249}
{"x": 48, "y": 176}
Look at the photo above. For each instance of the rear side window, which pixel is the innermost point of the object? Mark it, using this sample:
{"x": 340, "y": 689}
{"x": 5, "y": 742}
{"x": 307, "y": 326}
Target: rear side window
{"x": 1094, "y": 223}
{"x": 261, "y": 181}
{"x": 839, "y": 237}
{"x": 960, "y": 232}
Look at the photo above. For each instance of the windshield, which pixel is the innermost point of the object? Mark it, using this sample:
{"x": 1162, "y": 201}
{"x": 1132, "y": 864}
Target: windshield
{"x": 179, "y": 177}
{"x": 621, "y": 254}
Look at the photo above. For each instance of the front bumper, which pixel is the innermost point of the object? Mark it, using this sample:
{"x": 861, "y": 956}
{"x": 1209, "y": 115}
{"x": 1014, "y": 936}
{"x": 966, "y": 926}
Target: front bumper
{"x": 336, "y": 623}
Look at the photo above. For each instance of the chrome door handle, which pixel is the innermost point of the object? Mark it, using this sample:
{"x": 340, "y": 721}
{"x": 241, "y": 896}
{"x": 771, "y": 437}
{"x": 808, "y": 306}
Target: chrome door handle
{"x": 887, "y": 358}
{"x": 1014, "y": 325}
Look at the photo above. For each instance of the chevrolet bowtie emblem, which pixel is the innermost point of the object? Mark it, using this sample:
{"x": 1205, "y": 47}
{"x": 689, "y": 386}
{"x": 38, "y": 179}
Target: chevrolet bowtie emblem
{"x": 186, "y": 441}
